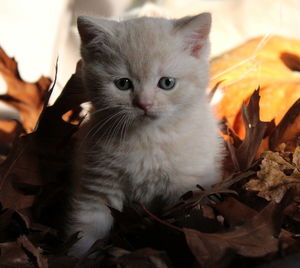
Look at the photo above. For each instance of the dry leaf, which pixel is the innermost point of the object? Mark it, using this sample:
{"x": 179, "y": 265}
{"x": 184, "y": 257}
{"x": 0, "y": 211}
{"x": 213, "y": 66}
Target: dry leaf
{"x": 296, "y": 157}
{"x": 12, "y": 255}
{"x": 36, "y": 252}
{"x": 145, "y": 257}
{"x": 268, "y": 63}
{"x": 234, "y": 211}
{"x": 276, "y": 176}
{"x": 243, "y": 153}
{"x": 288, "y": 130}
{"x": 38, "y": 162}
{"x": 27, "y": 98}
{"x": 8, "y": 132}
{"x": 255, "y": 238}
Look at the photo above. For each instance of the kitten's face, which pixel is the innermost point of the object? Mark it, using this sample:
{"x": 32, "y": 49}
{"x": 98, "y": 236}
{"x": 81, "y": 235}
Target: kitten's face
{"x": 150, "y": 69}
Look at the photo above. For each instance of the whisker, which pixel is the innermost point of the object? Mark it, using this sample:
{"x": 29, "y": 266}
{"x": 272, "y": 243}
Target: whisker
{"x": 125, "y": 127}
{"x": 105, "y": 123}
{"x": 121, "y": 126}
{"x": 97, "y": 127}
{"x": 113, "y": 130}
{"x": 129, "y": 123}
{"x": 122, "y": 136}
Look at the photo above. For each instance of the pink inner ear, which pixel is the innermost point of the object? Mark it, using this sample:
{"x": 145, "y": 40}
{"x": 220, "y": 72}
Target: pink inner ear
{"x": 196, "y": 42}
{"x": 196, "y": 49}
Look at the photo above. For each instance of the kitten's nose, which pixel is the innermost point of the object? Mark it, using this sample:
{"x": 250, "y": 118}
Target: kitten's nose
{"x": 144, "y": 105}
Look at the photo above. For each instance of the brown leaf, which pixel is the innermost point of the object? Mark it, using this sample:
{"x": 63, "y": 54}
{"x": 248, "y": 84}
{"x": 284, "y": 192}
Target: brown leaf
{"x": 39, "y": 161}
{"x": 8, "y": 132}
{"x": 12, "y": 255}
{"x": 255, "y": 238}
{"x": 145, "y": 257}
{"x": 234, "y": 211}
{"x": 25, "y": 215}
{"x": 27, "y": 98}
{"x": 11, "y": 225}
{"x": 244, "y": 154}
{"x": 293, "y": 210}
{"x": 36, "y": 252}
{"x": 63, "y": 262}
{"x": 289, "y": 242}
{"x": 234, "y": 178}
{"x": 193, "y": 198}
{"x": 288, "y": 129}
{"x": 20, "y": 166}
{"x": 276, "y": 175}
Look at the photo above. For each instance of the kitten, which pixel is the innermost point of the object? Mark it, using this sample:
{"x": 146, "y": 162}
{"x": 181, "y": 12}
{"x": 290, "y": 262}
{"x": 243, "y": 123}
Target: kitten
{"x": 152, "y": 135}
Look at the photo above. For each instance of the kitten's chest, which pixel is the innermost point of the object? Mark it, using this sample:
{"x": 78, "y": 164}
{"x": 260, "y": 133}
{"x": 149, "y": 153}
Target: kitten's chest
{"x": 174, "y": 154}
{"x": 148, "y": 170}
{"x": 156, "y": 170}
{"x": 146, "y": 163}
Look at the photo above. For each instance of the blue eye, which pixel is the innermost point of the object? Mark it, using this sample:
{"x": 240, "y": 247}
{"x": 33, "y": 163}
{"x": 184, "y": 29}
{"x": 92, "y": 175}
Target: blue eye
{"x": 123, "y": 84}
{"x": 166, "y": 83}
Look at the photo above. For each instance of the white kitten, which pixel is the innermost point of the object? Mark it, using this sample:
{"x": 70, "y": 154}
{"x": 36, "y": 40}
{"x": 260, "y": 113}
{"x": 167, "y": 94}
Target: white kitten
{"x": 152, "y": 135}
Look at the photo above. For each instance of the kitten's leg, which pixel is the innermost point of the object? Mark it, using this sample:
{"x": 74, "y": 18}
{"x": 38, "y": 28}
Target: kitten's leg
{"x": 92, "y": 218}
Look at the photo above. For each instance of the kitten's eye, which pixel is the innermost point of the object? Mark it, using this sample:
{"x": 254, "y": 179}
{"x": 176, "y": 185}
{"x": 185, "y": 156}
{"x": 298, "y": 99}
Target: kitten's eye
{"x": 167, "y": 83}
{"x": 123, "y": 84}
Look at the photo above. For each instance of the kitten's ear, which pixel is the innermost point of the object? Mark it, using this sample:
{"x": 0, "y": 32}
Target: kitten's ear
{"x": 90, "y": 28}
{"x": 195, "y": 31}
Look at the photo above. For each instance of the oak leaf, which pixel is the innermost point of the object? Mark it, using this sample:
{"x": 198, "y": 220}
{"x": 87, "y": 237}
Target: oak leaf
{"x": 255, "y": 238}
{"x": 288, "y": 130}
{"x": 38, "y": 163}
{"x": 27, "y": 98}
{"x": 243, "y": 152}
{"x": 277, "y": 174}
{"x": 270, "y": 63}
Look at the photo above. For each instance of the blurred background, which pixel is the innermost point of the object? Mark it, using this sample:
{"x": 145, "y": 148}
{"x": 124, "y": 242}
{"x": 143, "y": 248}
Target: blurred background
{"x": 36, "y": 32}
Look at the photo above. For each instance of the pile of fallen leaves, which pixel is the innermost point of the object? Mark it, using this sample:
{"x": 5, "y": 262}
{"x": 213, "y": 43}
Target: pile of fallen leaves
{"x": 249, "y": 219}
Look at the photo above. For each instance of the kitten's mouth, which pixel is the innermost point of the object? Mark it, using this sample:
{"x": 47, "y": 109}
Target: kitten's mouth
{"x": 149, "y": 116}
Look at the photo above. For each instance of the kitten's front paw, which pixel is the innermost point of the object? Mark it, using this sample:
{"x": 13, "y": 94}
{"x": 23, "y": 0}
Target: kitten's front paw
{"x": 92, "y": 225}
{"x": 81, "y": 247}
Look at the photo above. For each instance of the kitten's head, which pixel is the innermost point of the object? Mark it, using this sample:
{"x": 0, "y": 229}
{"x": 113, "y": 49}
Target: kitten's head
{"x": 151, "y": 69}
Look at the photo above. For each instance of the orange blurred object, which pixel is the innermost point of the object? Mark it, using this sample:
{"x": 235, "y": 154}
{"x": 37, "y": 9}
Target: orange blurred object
{"x": 271, "y": 63}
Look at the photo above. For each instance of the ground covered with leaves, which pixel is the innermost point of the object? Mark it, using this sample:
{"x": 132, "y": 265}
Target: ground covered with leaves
{"x": 249, "y": 219}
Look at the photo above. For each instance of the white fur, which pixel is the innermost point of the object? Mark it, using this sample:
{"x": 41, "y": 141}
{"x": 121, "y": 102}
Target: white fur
{"x": 90, "y": 224}
{"x": 162, "y": 156}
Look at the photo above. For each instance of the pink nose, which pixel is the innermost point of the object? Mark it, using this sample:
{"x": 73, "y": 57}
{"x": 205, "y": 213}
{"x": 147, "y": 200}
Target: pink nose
{"x": 144, "y": 105}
